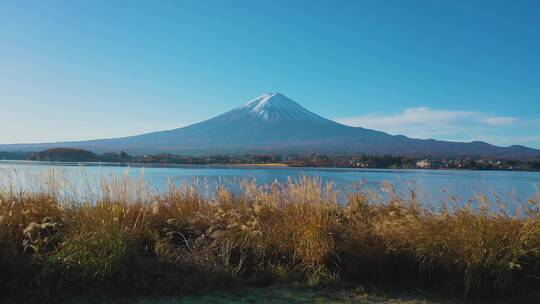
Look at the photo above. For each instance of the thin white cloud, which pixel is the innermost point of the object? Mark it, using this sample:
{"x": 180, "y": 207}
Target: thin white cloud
{"x": 500, "y": 120}
{"x": 421, "y": 122}
{"x": 424, "y": 122}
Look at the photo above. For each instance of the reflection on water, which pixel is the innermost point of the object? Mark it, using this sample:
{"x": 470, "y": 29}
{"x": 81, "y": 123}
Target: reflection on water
{"x": 432, "y": 186}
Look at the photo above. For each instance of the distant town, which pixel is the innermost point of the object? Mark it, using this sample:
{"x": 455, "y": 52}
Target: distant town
{"x": 292, "y": 160}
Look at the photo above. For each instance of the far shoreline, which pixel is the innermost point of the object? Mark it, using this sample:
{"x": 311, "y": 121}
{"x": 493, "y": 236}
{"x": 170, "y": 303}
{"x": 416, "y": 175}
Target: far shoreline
{"x": 314, "y": 160}
{"x": 238, "y": 166}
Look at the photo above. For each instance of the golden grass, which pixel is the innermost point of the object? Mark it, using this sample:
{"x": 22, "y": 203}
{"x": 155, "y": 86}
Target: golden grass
{"x": 68, "y": 236}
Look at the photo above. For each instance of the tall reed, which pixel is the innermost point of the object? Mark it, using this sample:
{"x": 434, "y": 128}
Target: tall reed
{"x": 119, "y": 235}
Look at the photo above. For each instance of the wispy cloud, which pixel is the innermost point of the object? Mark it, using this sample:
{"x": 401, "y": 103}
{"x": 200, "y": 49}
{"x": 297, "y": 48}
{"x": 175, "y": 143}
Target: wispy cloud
{"x": 500, "y": 120}
{"x": 424, "y": 122}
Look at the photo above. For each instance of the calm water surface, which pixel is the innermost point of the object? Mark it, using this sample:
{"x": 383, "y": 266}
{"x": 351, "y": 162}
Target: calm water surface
{"x": 432, "y": 185}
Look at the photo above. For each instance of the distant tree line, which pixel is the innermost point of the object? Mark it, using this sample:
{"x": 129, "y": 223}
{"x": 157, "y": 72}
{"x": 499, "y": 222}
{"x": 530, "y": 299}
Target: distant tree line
{"x": 352, "y": 161}
{"x": 294, "y": 160}
{"x": 13, "y": 155}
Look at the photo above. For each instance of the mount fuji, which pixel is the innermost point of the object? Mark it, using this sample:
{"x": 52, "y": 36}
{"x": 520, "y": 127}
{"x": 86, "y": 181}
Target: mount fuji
{"x": 273, "y": 123}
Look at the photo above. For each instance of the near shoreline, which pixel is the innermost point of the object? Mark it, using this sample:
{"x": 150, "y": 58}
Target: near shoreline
{"x": 131, "y": 241}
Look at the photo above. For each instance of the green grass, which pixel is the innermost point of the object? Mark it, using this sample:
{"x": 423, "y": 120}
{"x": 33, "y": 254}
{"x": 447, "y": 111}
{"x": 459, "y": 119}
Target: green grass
{"x": 128, "y": 240}
{"x": 281, "y": 295}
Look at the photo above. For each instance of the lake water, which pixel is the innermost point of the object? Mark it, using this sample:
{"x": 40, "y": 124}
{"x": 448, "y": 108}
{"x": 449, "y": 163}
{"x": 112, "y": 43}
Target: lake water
{"x": 433, "y": 185}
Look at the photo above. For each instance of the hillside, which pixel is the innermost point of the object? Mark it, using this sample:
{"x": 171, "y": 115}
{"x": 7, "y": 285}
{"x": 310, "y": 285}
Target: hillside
{"x": 273, "y": 123}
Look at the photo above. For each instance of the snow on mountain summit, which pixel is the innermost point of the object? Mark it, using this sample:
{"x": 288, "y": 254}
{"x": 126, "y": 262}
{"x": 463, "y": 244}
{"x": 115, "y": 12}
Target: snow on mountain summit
{"x": 273, "y": 123}
{"x": 276, "y": 106}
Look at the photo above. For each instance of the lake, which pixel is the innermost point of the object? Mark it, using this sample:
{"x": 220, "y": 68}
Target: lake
{"x": 432, "y": 185}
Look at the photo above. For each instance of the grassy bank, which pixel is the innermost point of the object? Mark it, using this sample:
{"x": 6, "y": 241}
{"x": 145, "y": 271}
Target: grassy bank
{"x": 126, "y": 239}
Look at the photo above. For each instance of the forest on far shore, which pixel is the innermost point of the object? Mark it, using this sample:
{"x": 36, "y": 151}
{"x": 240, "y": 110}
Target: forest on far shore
{"x": 293, "y": 160}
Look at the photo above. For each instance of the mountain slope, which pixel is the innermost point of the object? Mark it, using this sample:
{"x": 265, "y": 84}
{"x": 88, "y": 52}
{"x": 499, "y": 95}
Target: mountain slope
{"x": 275, "y": 123}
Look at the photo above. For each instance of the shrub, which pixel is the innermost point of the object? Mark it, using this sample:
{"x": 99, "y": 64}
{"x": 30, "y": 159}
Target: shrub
{"x": 100, "y": 259}
{"x": 128, "y": 240}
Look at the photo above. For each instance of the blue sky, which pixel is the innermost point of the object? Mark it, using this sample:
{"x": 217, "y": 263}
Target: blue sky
{"x": 454, "y": 70}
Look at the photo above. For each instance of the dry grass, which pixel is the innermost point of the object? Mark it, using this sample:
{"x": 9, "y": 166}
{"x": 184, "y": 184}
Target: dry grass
{"x": 123, "y": 237}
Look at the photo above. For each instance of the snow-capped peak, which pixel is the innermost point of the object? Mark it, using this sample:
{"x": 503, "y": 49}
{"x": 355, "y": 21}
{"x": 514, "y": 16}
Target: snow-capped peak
{"x": 262, "y": 101}
{"x": 274, "y": 106}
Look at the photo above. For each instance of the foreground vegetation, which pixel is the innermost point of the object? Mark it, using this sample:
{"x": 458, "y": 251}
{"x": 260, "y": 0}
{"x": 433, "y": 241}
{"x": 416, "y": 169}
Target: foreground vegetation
{"x": 126, "y": 239}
